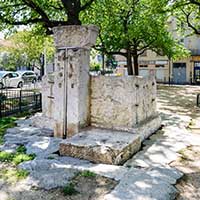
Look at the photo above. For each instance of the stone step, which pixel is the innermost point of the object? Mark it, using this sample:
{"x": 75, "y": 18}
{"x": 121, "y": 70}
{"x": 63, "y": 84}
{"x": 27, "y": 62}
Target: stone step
{"x": 101, "y": 146}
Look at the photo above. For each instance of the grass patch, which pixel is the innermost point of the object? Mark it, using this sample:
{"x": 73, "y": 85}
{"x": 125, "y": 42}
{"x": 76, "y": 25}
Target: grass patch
{"x": 50, "y": 158}
{"x": 21, "y": 149}
{"x": 9, "y": 122}
{"x": 87, "y": 174}
{"x": 70, "y": 190}
{"x": 184, "y": 157}
{"x": 19, "y": 158}
{"x": 16, "y": 158}
{"x": 13, "y": 175}
{"x": 5, "y": 123}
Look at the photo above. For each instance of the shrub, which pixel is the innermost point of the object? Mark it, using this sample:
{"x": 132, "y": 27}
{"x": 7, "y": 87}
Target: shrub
{"x": 70, "y": 190}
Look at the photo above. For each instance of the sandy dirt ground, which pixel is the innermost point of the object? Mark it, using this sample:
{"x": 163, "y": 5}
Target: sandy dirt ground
{"x": 85, "y": 188}
{"x": 181, "y": 100}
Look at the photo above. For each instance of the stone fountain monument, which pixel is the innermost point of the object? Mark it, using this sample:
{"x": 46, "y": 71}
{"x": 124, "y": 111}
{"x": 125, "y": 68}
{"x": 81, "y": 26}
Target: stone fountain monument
{"x": 104, "y": 119}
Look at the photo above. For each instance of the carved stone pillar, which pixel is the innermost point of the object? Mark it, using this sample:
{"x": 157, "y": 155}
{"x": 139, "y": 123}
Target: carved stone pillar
{"x": 70, "y": 96}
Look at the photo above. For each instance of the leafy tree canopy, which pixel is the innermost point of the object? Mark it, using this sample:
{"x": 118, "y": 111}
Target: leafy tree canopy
{"x": 45, "y": 13}
{"x": 130, "y": 27}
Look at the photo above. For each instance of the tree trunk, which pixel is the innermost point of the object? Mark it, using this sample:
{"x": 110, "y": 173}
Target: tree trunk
{"x": 103, "y": 62}
{"x": 73, "y": 18}
{"x": 136, "y": 65}
{"x": 129, "y": 63}
{"x": 73, "y": 8}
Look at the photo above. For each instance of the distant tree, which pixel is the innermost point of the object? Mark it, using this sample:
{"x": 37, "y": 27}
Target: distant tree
{"x": 27, "y": 48}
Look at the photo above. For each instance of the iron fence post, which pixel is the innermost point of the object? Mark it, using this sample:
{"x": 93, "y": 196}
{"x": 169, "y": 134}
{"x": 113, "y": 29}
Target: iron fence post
{"x": 35, "y": 100}
{"x": 41, "y": 101}
{"x": 0, "y": 109}
{"x": 20, "y": 101}
{"x": 198, "y": 98}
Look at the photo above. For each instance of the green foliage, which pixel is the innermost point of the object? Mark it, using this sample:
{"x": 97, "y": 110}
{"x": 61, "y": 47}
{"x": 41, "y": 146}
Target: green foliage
{"x": 70, "y": 190}
{"x": 187, "y": 15}
{"x": 133, "y": 26}
{"x": 16, "y": 158}
{"x": 6, "y": 157}
{"x": 95, "y": 66}
{"x": 13, "y": 175}
{"x": 5, "y": 123}
{"x": 26, "y": 49}
{"x": 87, "y": 174}
{"x": 21, "y": 157}
{"x": 41, "y": 14}
{"x": 21, "y": 174}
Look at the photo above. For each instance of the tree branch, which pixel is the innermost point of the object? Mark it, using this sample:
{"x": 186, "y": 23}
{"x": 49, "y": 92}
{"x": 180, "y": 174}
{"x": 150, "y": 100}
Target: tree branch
{"x": 194, "y": 2}
{"x": 37, "y": 9}
{"x": 196, "y": 31}
{"x": 16, "y": 23}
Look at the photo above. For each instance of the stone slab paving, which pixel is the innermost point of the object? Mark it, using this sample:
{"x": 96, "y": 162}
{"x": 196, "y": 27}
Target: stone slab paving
{"x": 141, "y": 184}
{"x": 49, "y": 170}
{"x": 49, "y": 174}
{"x": 164, "y": 150}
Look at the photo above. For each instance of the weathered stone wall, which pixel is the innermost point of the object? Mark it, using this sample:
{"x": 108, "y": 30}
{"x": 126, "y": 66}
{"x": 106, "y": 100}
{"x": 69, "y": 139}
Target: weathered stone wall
{"x": 122, "y": 102}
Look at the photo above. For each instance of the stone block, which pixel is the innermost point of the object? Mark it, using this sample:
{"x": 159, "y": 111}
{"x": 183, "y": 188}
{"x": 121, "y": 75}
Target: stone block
{"x": 122, "y": 103}
{"x": 75, "y": 36}
{"x": 101, "y": 146}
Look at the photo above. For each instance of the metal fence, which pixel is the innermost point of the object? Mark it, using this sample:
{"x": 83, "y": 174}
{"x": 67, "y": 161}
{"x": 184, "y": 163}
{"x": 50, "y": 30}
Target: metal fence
{"x": 14, "y": 101}
{"x": 198, "y": 100}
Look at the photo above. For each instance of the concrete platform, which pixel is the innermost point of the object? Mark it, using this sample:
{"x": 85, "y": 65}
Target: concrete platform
{"x": 102, "y": 146}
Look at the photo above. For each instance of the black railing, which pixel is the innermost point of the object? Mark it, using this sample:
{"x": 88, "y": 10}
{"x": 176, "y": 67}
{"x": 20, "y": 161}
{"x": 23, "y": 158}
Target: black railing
{"x": 198, "y": 100}
{"x": 14, "y": 101}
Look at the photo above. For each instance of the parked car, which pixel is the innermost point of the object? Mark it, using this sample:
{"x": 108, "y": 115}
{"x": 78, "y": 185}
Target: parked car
{"x": 10, "y": 79}
{"x": 28, "y": 76}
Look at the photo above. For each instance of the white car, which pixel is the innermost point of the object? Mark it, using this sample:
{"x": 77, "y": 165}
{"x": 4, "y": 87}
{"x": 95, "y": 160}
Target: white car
{"x": 28, "y": 76}
{"x": 10, "y": 79}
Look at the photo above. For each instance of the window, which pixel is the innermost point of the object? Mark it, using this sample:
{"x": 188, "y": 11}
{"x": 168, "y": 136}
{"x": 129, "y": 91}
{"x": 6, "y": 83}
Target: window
{"x": 143, "y": 65}
{"x": 28, "y": 74}
{"x": 8, "y": 75}
{"x": 160, "y": 66}
{"x": 197, "y": 72}
{"x": 14, "y": 75}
